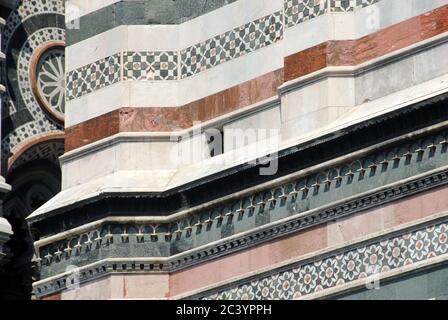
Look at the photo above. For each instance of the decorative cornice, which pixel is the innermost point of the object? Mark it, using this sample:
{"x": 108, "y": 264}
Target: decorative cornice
{"x": 110, "y": 266}
{"x": 321, "y": 169}
{"x": 312, "y": 256}
{"x": 295, "y": 158}
{"x": 152, "y": 234}
{"x": 96, "y": 238}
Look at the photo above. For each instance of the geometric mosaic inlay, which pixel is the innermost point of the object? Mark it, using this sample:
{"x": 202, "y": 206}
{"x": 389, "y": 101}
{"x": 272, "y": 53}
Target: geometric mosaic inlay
{"x": 232, "y": 44}
{"x": 304, "y": 279}
{"x": 298, "y": 11}
{"x": 350, "y": 5}
{"x": 150, "y": 65}
{"x": 175, "y": 65}
{"x": 94, "y": 76}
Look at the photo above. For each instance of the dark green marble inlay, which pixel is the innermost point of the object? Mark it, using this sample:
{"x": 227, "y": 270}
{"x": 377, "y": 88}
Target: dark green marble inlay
{"x": 142, "y": 12}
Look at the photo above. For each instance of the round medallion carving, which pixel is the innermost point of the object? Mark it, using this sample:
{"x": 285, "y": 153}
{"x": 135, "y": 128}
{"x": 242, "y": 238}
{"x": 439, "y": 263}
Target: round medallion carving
{"x": 47, "y": 78}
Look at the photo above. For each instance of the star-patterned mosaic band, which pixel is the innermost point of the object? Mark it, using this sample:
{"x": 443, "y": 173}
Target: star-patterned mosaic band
{"x": 176, "y": 65}
{"x": 94, "y": 76}
{"x": 350, "y": 5}
{"x": 368, "y": 260}
{"x": 150, "y": 65}
{"x": 298, "y": 11}
{"x": 140, "y": 66}
{"x": 232, "y": 44}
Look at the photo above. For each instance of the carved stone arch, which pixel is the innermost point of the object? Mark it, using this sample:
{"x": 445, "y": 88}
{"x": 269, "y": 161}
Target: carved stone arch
{"x": 49, "y": 146}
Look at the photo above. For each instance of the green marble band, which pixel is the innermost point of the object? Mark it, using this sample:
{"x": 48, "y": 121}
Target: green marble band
{"x": 168, "y": 12}
{"x": 143, "y": 12}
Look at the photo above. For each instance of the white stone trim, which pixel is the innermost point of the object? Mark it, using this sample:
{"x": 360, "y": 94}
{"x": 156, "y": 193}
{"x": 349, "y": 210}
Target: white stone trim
{"x": 363, "y": 112}
{"x": 168, "y": 37}
{"x": 180, "y": 92}
{"x": 174, "y": 93}
{"x": 330, "y": 26}
{"x": 78, "y": 193}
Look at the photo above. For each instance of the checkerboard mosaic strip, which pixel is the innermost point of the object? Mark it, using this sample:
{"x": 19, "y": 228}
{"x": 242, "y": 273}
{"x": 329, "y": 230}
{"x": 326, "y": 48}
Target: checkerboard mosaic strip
{"x": 94, "y": 76}
{"x": 301, "y": 280}
{"x": 350, "y": 5}
{"x": 150, "y": 65}
{"x": 298, "y": 11}
{"x": 232, "y": 44}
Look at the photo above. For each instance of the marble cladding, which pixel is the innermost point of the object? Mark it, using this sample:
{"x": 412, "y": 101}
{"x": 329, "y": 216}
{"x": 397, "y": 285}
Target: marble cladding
{"x": 359, "y": 263}
{"x": 141, "y": 66}
{"x": 187, "y": 62}
{"x": 354, "y": 52}
{"x": 330, "y": 53}
{"x": 167, "y": 119}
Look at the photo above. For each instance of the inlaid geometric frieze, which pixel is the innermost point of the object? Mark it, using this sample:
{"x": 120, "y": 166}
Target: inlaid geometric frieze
{"x": 164, "y": 65}
{"x": 150, "y": 65}
{"x": 372, "y": 259}
{"x": 298, "y": 11}
{"x": 94, "y": 76}
{"x": 350, "y": 5}
{"x": 296, "y": 200}
{"x": 232, "y": 44}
